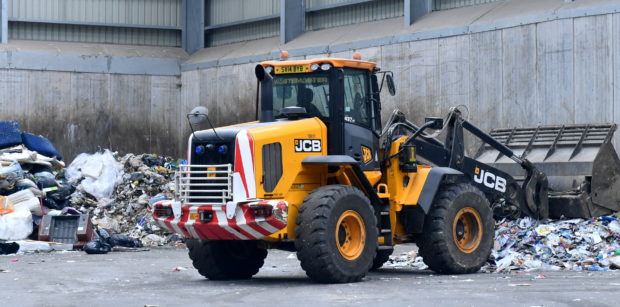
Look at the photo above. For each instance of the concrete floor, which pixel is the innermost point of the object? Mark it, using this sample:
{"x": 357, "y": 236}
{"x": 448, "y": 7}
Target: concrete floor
{"x": 150, "y": 278}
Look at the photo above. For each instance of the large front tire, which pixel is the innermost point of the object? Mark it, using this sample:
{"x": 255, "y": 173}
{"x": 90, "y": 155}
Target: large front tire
{"x": 458, "y": 230}
{"x": 226, "y": 260}
{"x": 336, "y": 234}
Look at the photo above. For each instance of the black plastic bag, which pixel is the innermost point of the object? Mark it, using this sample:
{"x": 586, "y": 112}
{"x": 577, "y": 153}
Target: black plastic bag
{"x": 97, "y": 247}
{"x": 124, "y": 241}
{"x": 8, "y": 248}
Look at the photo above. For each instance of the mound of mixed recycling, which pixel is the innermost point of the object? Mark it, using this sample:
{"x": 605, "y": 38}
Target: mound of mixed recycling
{"x": 529, "y": 245}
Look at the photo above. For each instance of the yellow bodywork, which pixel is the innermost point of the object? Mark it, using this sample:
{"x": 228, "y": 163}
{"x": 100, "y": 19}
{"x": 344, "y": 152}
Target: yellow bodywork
{"x": 298, "y": 180}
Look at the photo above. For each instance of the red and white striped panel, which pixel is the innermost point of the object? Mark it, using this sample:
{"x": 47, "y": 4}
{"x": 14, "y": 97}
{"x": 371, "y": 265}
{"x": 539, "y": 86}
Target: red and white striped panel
{"x": 243, "y": 226}
{"x": 244, "y": 162}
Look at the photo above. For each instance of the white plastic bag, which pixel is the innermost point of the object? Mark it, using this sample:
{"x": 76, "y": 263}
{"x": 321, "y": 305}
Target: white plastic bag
{"x": 27, "y": 200}
{"x": 101, "y": 172}
{"x": 16, "y": 225}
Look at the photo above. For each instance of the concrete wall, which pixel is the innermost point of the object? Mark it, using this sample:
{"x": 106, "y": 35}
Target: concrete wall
{"x": 84, "y": 112}
{"x": 553, "y": 72}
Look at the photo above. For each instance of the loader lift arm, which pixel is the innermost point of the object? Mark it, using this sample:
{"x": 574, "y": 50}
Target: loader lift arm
{"x": 529, "y": 196}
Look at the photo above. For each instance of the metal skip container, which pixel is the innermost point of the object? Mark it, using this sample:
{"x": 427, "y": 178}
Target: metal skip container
{"x": 580, "y": 162}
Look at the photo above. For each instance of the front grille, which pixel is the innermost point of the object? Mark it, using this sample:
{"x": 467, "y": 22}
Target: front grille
{"x": 204, "y": 184}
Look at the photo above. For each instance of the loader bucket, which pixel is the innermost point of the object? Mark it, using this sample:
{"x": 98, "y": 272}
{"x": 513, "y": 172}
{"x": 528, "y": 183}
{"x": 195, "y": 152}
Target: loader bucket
{"x": 580, "y": 162}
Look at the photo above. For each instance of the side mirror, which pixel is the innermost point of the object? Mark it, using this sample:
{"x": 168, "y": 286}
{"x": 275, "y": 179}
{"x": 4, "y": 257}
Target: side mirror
{"x": 437, "y": 122}
{"x": 198, "y": 115}
{"x": 390, "y": 84}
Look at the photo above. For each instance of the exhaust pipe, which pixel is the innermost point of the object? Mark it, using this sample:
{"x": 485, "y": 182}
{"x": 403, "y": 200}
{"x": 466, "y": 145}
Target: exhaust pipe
{"x": 266, "y": 100}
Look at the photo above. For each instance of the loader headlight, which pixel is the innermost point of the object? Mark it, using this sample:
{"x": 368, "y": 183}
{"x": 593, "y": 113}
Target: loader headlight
{"x": 326, "y": 66}
{"x": 269, "y": 69}
{"x": 314, "y": 67}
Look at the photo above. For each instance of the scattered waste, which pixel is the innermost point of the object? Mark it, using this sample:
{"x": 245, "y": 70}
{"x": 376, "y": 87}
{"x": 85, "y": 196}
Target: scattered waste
{"x": 525, "y": 245}
{"x": 16, "y": 225}
{"x": 178, "y": 269}
{"x": 106, "y": 239}
{"x": 7, "y": 248}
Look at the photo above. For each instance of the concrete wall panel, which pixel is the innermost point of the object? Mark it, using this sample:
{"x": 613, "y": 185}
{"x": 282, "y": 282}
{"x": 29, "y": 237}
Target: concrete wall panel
{"x": 454, "y": 72}
{"x": 90, "y": 121}
{"x": 616, "y": 70}
{"x": 486, "y": 78}
{"x": 555, "y": 71}
{"x": 164, "y": 119}
{"x": 593, "y": 69}
{"x": 130, "y": 107}
{"x": 519, "y": 87}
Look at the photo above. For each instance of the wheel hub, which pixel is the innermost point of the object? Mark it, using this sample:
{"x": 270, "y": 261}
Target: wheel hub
{"x": 350, "y": 235}
{"x": 467, "y": 229}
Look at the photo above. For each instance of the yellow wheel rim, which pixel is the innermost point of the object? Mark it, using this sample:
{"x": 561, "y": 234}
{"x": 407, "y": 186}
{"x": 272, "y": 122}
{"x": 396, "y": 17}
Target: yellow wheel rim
{"x": 467, "y": 229}
{"x": 350, "y": 235}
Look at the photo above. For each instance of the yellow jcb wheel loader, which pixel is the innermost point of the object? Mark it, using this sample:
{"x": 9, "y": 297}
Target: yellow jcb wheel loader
{"x": 319, "y": 174}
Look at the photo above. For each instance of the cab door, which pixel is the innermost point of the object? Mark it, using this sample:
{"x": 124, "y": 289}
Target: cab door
{"x": 361, "y": 136}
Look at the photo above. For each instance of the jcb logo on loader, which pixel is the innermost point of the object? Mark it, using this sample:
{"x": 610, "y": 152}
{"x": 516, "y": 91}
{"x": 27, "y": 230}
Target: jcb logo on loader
{"x": 305, "y": 145}
{"x": 490, "y": 180}
{"x": 366, "y": 154}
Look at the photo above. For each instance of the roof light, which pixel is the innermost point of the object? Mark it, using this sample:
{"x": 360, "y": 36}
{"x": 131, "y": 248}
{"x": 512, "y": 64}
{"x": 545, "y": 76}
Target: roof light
{"x": 314, "y": 66}
{"x": 284, "y": 54}
{"x": 269, "y": 69}
{"x": 326, "y": 66}
{"x": 357, "y": 55}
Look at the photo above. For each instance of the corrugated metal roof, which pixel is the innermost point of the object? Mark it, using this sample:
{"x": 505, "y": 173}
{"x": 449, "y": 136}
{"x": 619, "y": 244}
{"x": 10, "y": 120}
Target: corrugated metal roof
{"x": 451, "y": 4}
{"x": 352, "y": 14}
{"x": 243, "y": 32}
{"x": 131, "y": 22}
{"x": 228, "y": 11}
{"x": 94, "y": 34}
{"x": 166, "y": 13}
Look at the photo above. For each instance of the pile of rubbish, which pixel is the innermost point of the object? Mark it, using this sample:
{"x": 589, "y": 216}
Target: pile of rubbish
{"x": 529, "y": 245}
{"x": 576, "y": 245}
{"x": 101, "y": 198}
{"x": 120, "y": 195}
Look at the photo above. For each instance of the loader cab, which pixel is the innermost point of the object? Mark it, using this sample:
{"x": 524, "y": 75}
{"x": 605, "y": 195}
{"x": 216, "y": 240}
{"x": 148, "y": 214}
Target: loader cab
{"x": 343, "y": 93}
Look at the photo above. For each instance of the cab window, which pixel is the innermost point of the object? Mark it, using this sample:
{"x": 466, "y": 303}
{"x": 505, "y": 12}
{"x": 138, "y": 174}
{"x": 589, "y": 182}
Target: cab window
{"x": 308, "y": 91}
{"x": 356, "y": 100}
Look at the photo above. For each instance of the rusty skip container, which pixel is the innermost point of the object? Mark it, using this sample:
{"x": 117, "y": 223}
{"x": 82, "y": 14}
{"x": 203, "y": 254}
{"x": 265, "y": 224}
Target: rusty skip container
{"x": 579, "y": 161}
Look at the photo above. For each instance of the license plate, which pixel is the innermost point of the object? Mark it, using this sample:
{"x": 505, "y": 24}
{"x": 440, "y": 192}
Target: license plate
{"x": 294, "y": 69}
{"x": 194, "y": 216}
{"x": 211, "y": 172}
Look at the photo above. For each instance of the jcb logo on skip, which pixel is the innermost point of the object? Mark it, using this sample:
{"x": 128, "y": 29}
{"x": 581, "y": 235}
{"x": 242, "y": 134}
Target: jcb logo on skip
{"x": 490, "y": 180}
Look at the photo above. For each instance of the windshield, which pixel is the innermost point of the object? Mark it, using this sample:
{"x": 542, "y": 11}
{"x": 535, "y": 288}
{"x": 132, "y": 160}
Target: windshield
{"x": 308, "y": 91}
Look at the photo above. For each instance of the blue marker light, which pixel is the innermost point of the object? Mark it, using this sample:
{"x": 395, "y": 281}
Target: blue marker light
{"x": 222, "y": 149}
{"x": 200, "y": 150}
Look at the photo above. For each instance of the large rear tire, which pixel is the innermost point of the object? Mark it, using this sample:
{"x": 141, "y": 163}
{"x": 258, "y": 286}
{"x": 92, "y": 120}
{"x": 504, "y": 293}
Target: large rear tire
{"x": 458, "y": 230}
{"x": 336, "y": 234}
{"x": 225, "y": 260}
